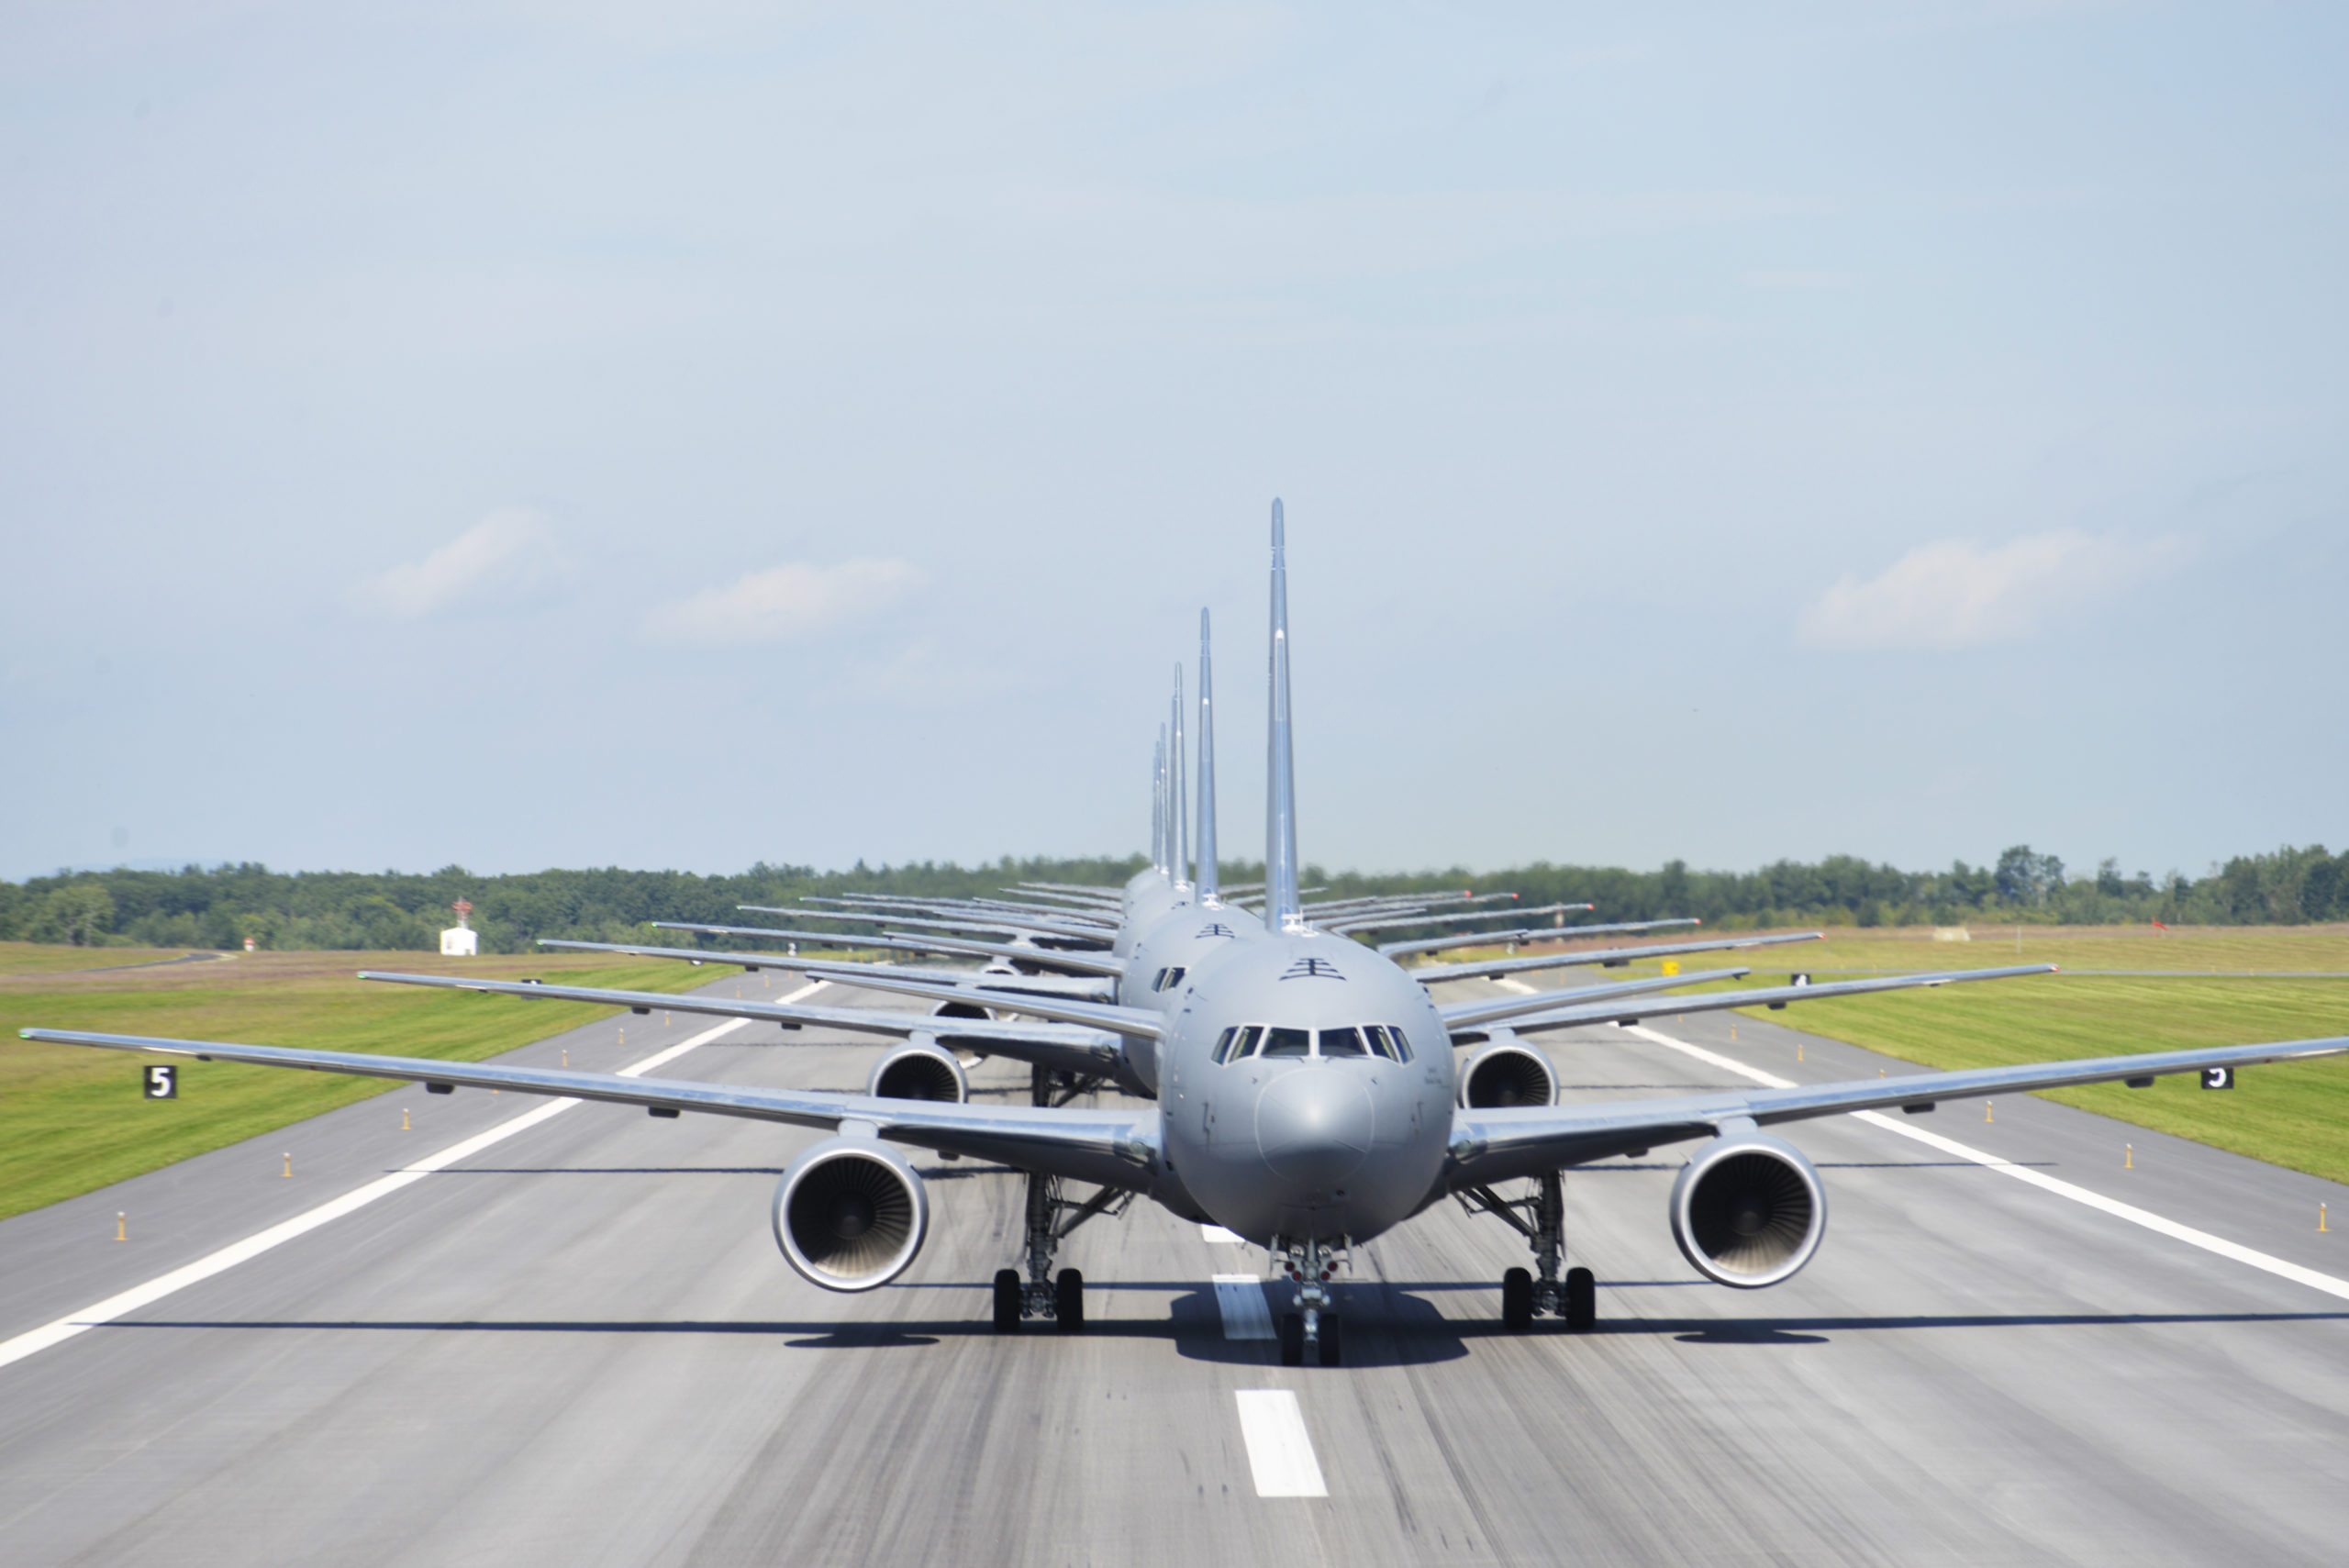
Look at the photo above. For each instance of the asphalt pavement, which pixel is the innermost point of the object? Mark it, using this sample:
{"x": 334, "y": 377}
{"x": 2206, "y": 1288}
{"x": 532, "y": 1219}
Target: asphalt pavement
{"x": 580, "y": 1346}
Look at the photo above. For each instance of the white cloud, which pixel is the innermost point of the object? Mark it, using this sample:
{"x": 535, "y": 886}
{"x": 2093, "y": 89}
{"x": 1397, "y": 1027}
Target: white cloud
{"x": 1956, "y": 593}
{"x": 509, "y": 554}
{"x": 784, "y": 603}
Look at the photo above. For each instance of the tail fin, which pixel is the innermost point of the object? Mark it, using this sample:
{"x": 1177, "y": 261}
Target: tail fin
{"x": 1284, "y": 904}
{"x": 1181, "y": 797}
{"x": 1158, "y": 803}
{"x": 1209, "y": 881}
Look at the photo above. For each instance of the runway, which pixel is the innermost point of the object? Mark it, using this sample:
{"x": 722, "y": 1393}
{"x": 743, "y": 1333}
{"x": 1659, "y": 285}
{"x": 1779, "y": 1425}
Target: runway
{"x": 581, "y": 1346}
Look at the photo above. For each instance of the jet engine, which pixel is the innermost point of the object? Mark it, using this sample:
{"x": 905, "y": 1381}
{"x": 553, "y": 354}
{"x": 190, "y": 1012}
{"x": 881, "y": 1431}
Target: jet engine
{"x": 850, "y": 1214}
{"x": 1748, "y": 1210}
{"x": 918, "y": 1072}
{"x": 1508, "y": 1073}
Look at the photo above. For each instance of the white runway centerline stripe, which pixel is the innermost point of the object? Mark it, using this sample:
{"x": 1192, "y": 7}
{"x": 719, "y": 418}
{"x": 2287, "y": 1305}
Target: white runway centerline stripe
{"x": 2232, "y": 1250}
{"x": 253, "y": 1246}
{"x": 1221, "y": 1237}
{"x": 1279, "y": 1450}
{"x": 1241, "y": 1299}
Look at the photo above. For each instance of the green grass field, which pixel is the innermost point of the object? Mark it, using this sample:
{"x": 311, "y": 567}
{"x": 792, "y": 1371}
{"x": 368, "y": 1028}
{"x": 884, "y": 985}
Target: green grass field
{"x": 70, "y": 1118}
{"x": 2296, "y": 1116}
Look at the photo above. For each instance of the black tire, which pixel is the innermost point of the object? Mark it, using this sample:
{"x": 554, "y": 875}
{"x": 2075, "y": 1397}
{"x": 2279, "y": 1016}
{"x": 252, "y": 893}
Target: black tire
{"x": 1330, "y": 1344}
{"x": 1008, "y": 1301}
{"x": 1292, "y": 1341}
{"x": 1582, "y": 1301}
{"x": 1068, "y": 1302}
{"x": 1517, "y": 1301}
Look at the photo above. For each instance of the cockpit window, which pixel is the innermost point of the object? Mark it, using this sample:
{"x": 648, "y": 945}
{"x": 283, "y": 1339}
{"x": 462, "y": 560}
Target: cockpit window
{"x": 1170, "y": 978}
{"x": 1366, "y": 1040}
{"x": 1286, "y": 1042}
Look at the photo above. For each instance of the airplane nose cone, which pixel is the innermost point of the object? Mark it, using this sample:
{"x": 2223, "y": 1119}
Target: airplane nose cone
{"x": 1314, "y": 1126}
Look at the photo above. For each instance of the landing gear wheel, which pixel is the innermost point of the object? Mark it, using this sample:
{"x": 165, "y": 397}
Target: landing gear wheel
{"x": 1068, "y": 1302}
{"x": 1293, "y": 1340}
{"x": 1517, "y": 1301}
{"x": 1006, "y": 1301}
{"x": 1582, "y": 1301}
{"x": 1329, "y": 1338}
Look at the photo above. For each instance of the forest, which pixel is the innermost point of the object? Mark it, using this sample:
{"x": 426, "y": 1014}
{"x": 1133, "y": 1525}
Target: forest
{"x": 220, "y": 906}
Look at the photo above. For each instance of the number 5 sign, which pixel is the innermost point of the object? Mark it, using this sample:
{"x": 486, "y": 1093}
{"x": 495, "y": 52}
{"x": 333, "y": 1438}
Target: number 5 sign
{"x": 161, "y": 1082}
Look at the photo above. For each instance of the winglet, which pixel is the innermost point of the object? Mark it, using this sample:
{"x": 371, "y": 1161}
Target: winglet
{"x": 1182, "y": 795}
{"x": 1209, "y": 883}
{"x": 1284, "y": 904}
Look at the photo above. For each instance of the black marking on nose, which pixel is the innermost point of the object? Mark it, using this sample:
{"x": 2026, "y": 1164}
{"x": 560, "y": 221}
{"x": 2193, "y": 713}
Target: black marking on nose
{"x": 1312, "y": 968}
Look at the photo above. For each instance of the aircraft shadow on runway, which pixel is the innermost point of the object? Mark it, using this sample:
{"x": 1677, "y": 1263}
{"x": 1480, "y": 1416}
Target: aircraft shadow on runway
{"x": 931, "y": 1174}
{"x": 1386, "y": 1326}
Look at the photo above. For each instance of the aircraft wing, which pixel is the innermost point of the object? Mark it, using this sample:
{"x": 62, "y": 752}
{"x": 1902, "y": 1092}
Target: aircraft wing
{"x": 1346, "y": 925}
{"x": 972, "y": 921}
{"x": 898, "y": 942}
{"x": 1056, "y": 1045}
{"x": 1525, "y": 934}
{"x": 1115, "y": 1148}
{"x": 1468, "y": 1019}
{"x": 1435, "y": 974}
{"x": 1042, "y": 984}
{"x": 1714, "y": 1001}
{"x": 1497, "y": 1144}
{"x": 1099, "y": 1015}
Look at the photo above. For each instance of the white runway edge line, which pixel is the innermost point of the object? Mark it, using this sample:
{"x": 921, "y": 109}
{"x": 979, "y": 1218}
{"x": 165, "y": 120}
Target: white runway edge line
{"x": 1240, "y": 1300}
{"x": 2233, "y": 1250}
{"x": 253, "y": 1246}
{"x": 1280, "y": 1451}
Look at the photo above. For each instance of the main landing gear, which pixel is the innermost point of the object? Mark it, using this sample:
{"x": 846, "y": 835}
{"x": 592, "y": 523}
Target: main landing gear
{"x": 1313, "y": 1325}
{"x": 1051, "y": 1217}
{"x": 1541, "y": 1218}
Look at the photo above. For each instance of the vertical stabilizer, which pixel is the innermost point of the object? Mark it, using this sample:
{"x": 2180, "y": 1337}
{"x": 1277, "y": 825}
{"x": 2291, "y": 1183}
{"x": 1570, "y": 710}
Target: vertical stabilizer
{"x": 1284, "y": 907}
{"x": 1158, "y": 804}
{"x": 1209, "y": 881}
{"x": 1181, "y": 797}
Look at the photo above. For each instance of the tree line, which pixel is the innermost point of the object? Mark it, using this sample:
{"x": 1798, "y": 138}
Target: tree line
{"x": 220, "y": 906}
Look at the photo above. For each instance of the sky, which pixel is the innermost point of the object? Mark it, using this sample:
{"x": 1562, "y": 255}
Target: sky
{"x": 683, "y": 435}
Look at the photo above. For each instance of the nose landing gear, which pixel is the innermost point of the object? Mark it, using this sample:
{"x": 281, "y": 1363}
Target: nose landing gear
{"x": 1313, "y": 1324}
{"x": 1541, "y": 1218}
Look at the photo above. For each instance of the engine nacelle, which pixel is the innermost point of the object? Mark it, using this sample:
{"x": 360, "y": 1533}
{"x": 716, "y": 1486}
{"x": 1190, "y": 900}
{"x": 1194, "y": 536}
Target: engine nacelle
{"x": 1507, "y": 1073}
{"x": 1748, "y": 1210}
{"x": 919, "y": 1073}
{"x": 850, "y": 1214}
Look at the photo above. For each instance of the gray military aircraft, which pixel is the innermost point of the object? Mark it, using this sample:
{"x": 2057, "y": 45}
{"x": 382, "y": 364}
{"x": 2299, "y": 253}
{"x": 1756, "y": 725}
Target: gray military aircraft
{"x": 1308, "y": 1104}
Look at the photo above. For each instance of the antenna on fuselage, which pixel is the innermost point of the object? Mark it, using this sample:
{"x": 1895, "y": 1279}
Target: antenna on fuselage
{"x": 1208, "y": 881}
{"x": 1284, "y": 904}
{"x": 1181, "y": 796}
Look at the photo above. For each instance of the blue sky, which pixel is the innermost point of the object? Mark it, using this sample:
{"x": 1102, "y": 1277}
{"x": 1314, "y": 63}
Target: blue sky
{"x": 685, "y": 434}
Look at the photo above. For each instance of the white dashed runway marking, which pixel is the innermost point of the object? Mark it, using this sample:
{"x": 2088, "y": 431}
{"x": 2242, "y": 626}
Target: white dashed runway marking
{"x": 1280, "y": 1451}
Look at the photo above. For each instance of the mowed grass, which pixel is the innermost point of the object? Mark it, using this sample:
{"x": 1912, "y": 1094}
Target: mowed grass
{"x": 71, "y": 1118}
{"x": 2295, "y": 1114}
{"x": 2292, "y": 1113}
